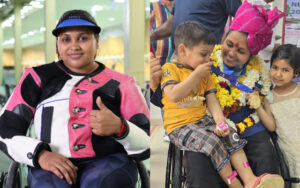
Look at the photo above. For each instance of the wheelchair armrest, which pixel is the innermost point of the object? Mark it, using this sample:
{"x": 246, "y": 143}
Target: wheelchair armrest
{"x": 141, "y": 156}
{"x": 292, "y": 180}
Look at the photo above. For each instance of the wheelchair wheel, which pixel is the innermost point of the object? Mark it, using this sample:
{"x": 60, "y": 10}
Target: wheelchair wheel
{"x": 284, "y": 169}
{"x": 144, "y": 179}
{"x": 14, "y": 176}
{"x": 175, "y": 173}
{"x": 2, "y": 178}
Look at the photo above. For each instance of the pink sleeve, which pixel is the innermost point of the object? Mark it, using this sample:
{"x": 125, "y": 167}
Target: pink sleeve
{"x": 132, "y": 100}
{"x": 17, "y": 97}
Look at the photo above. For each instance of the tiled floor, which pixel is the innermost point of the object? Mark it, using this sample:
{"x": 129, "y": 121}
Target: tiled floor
{"x": 159, "y": 150}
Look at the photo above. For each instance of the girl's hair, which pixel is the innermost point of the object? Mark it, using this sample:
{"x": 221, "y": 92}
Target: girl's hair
{"x": 192, "y": 33}
{"x": 290, "y": 53}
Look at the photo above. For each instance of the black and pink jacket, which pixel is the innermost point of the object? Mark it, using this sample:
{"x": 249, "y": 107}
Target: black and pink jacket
{"x": 59, "y": 102}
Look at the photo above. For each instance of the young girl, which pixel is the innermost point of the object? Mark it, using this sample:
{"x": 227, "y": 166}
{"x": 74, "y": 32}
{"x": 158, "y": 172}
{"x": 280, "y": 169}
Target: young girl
{"x": 282, "y": 106}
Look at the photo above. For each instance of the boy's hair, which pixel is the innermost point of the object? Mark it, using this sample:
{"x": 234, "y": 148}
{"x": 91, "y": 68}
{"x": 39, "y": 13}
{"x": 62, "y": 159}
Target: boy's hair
{"x": 290, "y": 53}
{"x": 192, "y": 33}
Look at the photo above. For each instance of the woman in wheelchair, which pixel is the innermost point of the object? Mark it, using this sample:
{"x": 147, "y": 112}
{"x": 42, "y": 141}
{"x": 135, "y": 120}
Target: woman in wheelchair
{"x": 88, "y": 119}
{"x": 236, "y": 71}
{"x": 184, "y": 81}
{"x": 282, "y": 105}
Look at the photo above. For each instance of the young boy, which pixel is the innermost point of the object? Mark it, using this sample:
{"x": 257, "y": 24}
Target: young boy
{"x": 187, "y": 89}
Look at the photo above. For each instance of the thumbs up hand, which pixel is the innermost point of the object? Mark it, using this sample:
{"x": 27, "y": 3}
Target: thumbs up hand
{"x": 104, "y": 122}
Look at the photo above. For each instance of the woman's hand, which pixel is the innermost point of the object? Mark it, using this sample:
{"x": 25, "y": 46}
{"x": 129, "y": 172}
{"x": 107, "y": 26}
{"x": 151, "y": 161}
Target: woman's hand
{"x": 104, "y": 122}
{"x": 58, "y": 164}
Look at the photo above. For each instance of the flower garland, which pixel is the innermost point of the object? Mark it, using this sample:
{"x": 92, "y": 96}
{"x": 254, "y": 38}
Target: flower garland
{"x": 231, "y": 98}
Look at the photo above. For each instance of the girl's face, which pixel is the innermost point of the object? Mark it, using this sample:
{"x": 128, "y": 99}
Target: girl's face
{"x": 281, "y": 72}
{"x": 77, "y": 47}
{"x": 235, "y": 50}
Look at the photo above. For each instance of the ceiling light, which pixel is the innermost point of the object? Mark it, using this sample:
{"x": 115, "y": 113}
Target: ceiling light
{"x": 95, "y": 9}
{"x": 111, "y": 19}
{"x": 8, "y": 22}
{"x": 36, "y": 4}
{"x": 24, "y": 36}
{"x": 10, "y": 41}
{"x": 42, "y": 29}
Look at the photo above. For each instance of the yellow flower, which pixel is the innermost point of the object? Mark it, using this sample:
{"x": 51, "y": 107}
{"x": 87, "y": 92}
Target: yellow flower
{"x": 226, "y": 99}
{"x": 248, "y": 122}
{"x": 241, "y": 126}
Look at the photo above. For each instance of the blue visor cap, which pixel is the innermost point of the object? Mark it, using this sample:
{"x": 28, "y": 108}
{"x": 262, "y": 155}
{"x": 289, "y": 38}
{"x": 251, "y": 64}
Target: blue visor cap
{"x": 75, "y": 22}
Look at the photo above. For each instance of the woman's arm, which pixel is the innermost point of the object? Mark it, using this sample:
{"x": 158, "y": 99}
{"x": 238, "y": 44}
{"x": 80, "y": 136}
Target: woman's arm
{"x": 15, "y": 120}
{"x": 136, "y": 117}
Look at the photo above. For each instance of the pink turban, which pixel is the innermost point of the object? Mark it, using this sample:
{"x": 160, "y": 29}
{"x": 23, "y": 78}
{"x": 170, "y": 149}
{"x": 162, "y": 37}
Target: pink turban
{"x": 258, "y": 23}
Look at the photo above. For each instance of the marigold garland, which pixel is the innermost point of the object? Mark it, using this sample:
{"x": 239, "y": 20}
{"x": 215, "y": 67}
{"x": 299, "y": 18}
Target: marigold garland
{"x": 233, "y": 101}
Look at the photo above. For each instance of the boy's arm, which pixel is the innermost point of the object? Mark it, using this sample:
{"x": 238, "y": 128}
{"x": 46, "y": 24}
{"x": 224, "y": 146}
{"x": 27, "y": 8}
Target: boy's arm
{"x": 214, "y": 107}
{"x": 217, "y": 113}
{"x": 177, "y": 92}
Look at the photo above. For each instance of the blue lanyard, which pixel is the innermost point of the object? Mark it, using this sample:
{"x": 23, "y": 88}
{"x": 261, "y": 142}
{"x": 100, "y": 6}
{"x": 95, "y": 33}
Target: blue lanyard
{"x": 232, "y": 79}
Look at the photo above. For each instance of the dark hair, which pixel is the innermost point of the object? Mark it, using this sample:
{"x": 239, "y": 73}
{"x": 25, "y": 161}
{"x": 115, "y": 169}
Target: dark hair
{"x": 290, "y": 53}
{"x": 192, "y": 33}
{"x": 74, "y": 18}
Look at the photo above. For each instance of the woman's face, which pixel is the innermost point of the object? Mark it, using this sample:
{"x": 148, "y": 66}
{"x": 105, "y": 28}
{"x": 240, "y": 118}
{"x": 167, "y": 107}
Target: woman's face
{"x": 77, "y": 47}
{"x": 235, "y": 51}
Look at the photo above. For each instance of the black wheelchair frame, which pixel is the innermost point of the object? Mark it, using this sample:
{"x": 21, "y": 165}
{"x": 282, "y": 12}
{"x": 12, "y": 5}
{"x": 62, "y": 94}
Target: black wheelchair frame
{"x": 176, "y": 172}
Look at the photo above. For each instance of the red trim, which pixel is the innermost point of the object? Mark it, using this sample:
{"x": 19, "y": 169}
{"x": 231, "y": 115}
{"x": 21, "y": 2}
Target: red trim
{"x": 123, "y": 129}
